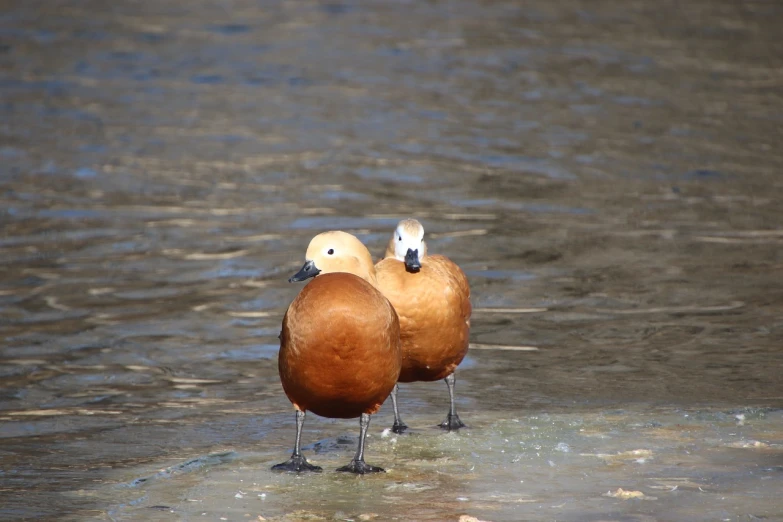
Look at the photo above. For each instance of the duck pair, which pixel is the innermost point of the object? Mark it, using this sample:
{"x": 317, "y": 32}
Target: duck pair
{"x": 358, "y": 329}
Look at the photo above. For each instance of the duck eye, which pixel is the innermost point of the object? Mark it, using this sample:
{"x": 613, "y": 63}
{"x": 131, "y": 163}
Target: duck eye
{"x": 330, "y": 251}
{"x": 399, "y": 238}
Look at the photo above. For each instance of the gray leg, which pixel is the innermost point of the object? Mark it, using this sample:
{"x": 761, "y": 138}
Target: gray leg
{"x": 297, "y": 462}
{"x": 358, "y": 465}
{"x": 452, "y": 421}
{"x": 398, "y": 426}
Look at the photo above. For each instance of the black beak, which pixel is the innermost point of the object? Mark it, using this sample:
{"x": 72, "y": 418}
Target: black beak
{"x": 307, "y": 271}
{"x": 412, "y": 260}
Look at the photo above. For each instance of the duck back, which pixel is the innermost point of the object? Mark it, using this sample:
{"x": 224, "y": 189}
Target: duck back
{"x": 340, "y": 352}
{"x": 434, "y": 309}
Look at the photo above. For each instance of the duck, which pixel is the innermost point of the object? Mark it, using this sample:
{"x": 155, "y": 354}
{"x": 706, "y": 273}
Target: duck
{"x": 431, "y": 295}
{"x": 340, "y": 351}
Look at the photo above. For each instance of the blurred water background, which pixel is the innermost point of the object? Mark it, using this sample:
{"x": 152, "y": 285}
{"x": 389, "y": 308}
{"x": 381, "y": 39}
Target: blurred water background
{"x": 607, "y": 173}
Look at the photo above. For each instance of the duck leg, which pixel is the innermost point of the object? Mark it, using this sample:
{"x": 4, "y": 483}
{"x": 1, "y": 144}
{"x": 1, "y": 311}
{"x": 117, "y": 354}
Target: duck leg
{"x": 297, "y": 463}
{"x": 452, "y": 421}
{"x": 358, "y": 465}
{"x": 398, "y": 426}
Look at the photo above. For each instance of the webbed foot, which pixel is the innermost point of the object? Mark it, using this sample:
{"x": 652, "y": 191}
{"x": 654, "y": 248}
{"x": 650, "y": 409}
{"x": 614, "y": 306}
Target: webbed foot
{"x": 452, "y": 423}
{"x": 399, "y": 427}
{"x": 361, "y": 468}
{"x": 296, "y": 464}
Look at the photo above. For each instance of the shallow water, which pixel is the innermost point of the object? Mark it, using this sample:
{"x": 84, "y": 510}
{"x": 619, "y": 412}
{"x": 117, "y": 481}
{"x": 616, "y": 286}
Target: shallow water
{"x": 606, "y": 173}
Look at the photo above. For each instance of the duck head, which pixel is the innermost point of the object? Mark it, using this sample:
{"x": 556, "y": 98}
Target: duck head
{"x": 407, "y": 244}
{"x": 336, "y": 251}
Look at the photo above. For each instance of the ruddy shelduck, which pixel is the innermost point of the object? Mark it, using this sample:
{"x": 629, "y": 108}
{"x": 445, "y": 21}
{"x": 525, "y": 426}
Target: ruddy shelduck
{"x": 432, "y": 298}
{"x": 340, "y": 353}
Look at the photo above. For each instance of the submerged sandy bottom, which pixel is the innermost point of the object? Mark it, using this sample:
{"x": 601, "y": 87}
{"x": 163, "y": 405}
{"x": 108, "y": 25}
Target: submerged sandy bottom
{"x": 621, "y": 465}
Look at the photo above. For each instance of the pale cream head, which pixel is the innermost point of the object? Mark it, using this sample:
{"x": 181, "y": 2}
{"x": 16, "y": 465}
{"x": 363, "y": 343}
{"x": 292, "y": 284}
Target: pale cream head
{"x": 409, "y": 234}
{"x": 337, "y": 251}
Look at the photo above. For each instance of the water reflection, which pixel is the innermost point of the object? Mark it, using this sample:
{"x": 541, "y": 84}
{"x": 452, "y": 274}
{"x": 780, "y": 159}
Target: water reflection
{"x": 607, "y": 175}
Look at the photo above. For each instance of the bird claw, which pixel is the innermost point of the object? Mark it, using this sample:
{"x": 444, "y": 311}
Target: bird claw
{"x": 361, "y": 468}
{"x": 399, "y": 427}
{"x": 296, "y": 464}
{"x": 452, "y": 423}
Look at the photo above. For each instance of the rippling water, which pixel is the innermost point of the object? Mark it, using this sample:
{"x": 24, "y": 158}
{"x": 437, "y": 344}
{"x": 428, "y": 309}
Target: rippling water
{"x": 607, "y": 173}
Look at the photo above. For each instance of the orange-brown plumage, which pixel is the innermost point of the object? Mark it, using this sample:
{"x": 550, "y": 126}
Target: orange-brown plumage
{"x": 434, "y": 308}
{"x": 340, "y": 351}
{"x": 340, "y": 347}
{"x": 432, "y": 298}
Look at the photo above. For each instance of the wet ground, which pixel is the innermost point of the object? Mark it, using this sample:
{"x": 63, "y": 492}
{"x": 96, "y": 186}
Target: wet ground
{"x": 607, "y": 173}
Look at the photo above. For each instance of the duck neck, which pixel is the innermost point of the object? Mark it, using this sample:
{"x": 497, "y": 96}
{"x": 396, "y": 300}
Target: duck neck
{"x": 359, "y": 265}
{"x": 368, "y": 274}
{"x": 390, "y": 249}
